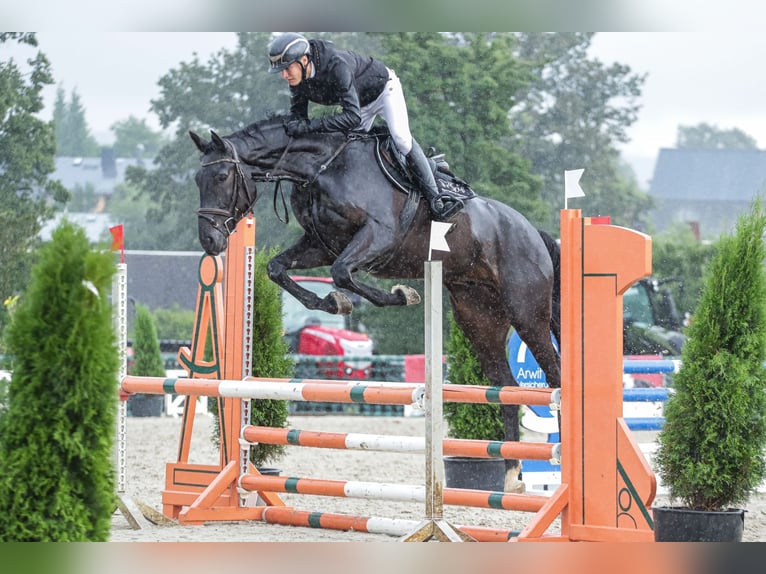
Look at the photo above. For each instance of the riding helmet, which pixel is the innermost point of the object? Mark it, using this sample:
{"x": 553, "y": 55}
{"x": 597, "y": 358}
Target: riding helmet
{"x": 286, "y": 49}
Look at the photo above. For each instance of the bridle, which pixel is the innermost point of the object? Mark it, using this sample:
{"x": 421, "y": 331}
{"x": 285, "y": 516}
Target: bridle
{"x": 232, "y": 214}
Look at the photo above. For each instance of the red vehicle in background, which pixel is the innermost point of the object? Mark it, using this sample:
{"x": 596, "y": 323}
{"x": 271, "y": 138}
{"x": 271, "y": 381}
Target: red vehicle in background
{"x": 312, "y": 332}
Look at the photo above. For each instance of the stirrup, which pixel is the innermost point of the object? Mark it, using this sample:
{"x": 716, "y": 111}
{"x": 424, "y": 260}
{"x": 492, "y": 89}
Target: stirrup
{"x": 449, "y": 207}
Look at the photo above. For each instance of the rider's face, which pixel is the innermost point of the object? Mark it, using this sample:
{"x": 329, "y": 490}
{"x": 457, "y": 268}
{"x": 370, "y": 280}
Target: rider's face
{"x": 293, "y": 73}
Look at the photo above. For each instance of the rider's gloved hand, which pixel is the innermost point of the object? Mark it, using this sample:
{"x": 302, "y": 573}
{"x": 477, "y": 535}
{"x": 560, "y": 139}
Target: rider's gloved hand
{"x": 299, "y": 127}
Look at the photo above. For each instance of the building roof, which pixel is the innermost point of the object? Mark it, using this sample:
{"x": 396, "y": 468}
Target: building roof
{"x": 95, "y": 225}
{"x": 709, "y": 174}
{"x": 102, "y": 174}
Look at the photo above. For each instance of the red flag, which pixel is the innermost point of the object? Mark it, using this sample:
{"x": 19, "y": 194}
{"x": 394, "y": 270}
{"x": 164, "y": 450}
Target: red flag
{"x": 118, "y": 240}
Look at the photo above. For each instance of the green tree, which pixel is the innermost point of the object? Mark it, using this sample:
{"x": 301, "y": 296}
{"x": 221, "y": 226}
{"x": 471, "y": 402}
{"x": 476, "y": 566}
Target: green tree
{"x": 174, "y": 323}
{"x": 465, "y": 420}
{"x": 73, "y": 137}
{"x": 229, "y": 91}
{"x": 711, "y": 448}
{"x": 56, "y": 441}
{"x": 28, "y": 197}
{"x": 270, "y": 356}
{"x": 572, "y": 116}
{"x": 706, "y": 136}
{"x": 142, "y": 231}
{"x": 84, "y": 198}
{"x": 133, "y": 138}
{"x": 146, "y": 348}
{"x": 147, "y": 362}
{"x": 60, "y": 113}
{"x": 677, "y": 253}
{"x": 459, "y": 89}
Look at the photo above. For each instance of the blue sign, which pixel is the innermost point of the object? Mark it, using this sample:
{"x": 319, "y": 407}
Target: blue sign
{"x": 524, "y": 366}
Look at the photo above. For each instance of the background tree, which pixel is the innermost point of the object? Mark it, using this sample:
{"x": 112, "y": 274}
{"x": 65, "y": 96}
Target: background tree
{"x": 465, "y": 420}
{"x": 572, "y": 115}
{"x": 229, "y": 91}
{"x": 131, "y": 207}
{"x": 459, "y": 89}
{"x": 56, "y": 477}
{"x": 706, "y": 136}
{"x": 84, "y": 198}
{"x": 134, "y": 138}
{"x": 73, "y": 137}
{"x": 28, "y": 197}
{"x": 174, "y": 323}
{"x": 677, "y": 253}
{"x": 147, "y": 362}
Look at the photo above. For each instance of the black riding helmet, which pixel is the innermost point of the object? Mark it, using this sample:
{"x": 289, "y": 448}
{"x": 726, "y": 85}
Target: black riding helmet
{"x": 286, "y": 49}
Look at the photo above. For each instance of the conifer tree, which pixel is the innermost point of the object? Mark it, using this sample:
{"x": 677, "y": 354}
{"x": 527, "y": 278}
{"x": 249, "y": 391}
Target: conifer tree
{"x": 270, "y": 356}
{"x": 711, "y": 448}
{"x": 56, "y": 439}
{"x": 465, "y": 420}
{"x": 147, "y": 362}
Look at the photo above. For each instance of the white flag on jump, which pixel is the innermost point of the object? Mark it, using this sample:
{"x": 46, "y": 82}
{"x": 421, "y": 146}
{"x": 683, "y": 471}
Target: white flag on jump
{"x": 438, "y": 241}
{"x": 572, "y": 184}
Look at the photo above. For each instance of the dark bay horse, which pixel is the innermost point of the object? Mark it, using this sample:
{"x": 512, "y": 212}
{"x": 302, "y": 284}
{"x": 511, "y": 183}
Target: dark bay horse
{"x": 500, "y": 272}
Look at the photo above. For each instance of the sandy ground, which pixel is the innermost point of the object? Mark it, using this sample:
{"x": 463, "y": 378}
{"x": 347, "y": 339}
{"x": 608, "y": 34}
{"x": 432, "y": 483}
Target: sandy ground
{"x": 153, "y": 441}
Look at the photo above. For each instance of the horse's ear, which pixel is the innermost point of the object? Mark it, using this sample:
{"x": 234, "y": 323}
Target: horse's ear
{"x": 217, "y": 141}
{"x": 198, "y": 141}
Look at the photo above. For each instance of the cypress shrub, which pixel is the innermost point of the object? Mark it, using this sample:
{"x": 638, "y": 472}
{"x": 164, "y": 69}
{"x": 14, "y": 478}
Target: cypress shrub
{"x": 147, "y": 362}
{"x": 146, "y": 348}
{"x": 270, "y": 359}
{"x": 56, "y": 442}
{"x": 711, "y": 448}
{"x": 466, "y": 420}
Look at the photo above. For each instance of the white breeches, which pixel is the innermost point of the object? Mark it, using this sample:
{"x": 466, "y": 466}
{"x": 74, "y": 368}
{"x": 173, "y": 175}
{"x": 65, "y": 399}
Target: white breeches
{"x": 390, "y": 105}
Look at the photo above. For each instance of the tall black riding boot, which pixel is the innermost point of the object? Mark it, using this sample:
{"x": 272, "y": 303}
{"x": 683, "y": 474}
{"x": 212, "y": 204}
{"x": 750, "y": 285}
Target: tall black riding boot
{"x": 442, "y": 206}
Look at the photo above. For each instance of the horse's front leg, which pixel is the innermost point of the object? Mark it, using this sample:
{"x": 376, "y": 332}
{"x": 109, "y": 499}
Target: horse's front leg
{"x": 306, "y": 254}
{"x": 366, "y": 246}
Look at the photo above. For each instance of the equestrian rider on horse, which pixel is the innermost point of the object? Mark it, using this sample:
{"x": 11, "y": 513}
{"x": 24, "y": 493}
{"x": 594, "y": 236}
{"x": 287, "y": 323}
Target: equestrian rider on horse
{"x": 318, "y": 72}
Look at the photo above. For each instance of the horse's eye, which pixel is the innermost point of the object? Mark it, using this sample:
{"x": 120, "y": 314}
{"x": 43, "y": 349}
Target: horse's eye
{"x": 221, "y": 177}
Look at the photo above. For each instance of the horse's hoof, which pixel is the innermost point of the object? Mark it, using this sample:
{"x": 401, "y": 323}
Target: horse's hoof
{"x": 411, "y": 297}
{"x": 343, "y": 304}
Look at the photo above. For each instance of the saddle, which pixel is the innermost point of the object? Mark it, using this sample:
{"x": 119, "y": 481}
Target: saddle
{"x": 394, "y": 165}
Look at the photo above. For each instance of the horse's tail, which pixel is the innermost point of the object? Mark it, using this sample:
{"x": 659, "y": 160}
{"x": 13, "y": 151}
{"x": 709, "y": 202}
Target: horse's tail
{"x": 555, "y": 253}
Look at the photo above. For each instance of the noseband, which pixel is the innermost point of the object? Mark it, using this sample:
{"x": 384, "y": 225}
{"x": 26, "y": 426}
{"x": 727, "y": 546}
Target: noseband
{"x": 232, "y": 214}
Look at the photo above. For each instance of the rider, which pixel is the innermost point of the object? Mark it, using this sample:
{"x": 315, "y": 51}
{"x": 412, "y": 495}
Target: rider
{"x": 317, "y": 71}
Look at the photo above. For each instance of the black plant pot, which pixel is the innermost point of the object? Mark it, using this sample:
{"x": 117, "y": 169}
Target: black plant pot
{"x": 474, "y": 473}
{"x": 145, "y": 405}
{"x": 673, "y": 524}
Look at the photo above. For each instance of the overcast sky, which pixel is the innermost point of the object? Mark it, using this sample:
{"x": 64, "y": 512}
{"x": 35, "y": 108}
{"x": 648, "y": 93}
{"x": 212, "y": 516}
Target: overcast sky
{"x": 692, "y": 78}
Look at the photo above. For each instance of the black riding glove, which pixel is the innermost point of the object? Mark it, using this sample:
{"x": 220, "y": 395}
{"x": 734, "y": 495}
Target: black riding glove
{"x": 300, "y": 127}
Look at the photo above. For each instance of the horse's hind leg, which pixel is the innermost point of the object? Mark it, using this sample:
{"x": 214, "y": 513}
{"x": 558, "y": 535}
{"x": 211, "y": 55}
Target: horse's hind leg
{"x": 487, "y": 331}
{"x": 537, "y": 336}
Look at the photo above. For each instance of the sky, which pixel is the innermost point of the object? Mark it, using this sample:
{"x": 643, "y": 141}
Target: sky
{"x": 692, "y": 77}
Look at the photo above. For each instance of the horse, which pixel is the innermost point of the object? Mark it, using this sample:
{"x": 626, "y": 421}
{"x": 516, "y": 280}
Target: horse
{"x": 500, "y": 272}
